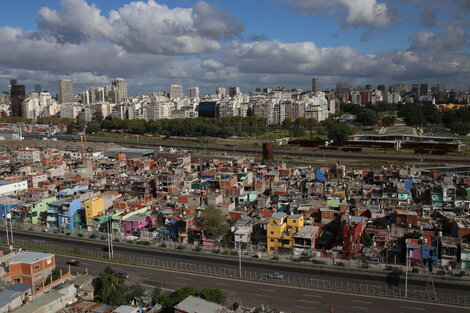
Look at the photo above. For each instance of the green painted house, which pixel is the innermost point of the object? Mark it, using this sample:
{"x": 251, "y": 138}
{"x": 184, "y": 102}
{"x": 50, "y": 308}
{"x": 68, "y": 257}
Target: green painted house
{"x": 40, "y": 207}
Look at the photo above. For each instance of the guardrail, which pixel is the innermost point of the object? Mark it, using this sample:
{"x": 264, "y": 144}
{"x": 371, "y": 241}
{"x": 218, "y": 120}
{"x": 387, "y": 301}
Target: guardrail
{"x": 232, "y": 273}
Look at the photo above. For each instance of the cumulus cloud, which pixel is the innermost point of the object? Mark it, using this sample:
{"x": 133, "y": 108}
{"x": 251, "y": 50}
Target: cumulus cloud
{"x": 451, "y": 39}
{"x": 153, "y": 45}
{"x": 368, "y": 13}
{"x": 142, "y": 26}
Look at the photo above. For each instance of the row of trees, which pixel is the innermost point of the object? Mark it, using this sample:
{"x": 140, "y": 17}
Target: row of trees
{"x": 226, "y": 127}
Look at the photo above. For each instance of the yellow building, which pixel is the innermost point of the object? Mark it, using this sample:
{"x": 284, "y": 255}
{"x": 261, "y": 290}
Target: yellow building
{"x": 281, "y": 229}
{"x": 92, "y": 208}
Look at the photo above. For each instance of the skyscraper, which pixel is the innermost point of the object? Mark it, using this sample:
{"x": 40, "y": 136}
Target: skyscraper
{"x": 13, "y": 82}
{"x": 37, "y": 88}
{"x": 316, "y": 85}
{"x": 176, "y": 91}
{"x": 120, "y": 84}
{"x": 17, "y": 96}
{"x": 343, "y": 87}
{"x": 193, "y": 92}
{"x": 233, "y": 91}
{"x": 220, "y": 91}
{"x": 65, "y": 91}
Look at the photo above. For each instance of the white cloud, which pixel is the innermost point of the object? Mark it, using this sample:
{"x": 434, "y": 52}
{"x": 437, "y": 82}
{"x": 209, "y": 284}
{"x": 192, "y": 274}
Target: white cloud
{"x": 142, "y": 26}
{"x": 451, "y": 39}
{"x": 368, "y": 13}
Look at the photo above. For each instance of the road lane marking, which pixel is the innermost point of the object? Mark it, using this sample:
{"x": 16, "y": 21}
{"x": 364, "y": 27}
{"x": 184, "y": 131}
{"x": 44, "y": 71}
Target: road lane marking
{"x": 308, "y": 301}
{"x": 360, "y": 307}
{"x": 304, "y": 307}
{"x": 261, "y": 295}
{"x": 183, "y": 278}
{"x": 412, "y": 307}
{"x": 268, "y": 290}
{"x": 310, "y": 295}
{"x": 360, "y": 301}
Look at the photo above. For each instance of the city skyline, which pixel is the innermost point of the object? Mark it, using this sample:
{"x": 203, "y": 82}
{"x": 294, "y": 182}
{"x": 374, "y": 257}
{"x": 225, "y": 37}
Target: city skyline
{"x": 214, "y": 43}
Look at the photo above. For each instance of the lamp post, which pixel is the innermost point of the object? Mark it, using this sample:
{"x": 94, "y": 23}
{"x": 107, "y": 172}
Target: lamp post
{"x": 406, "y": 273}
{"x": 240, "y": 258}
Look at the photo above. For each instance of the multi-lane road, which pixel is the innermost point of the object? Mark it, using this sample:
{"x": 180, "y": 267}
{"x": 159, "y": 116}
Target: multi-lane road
{"x": 170, "y": 280}
{"x": 272, "y": 295}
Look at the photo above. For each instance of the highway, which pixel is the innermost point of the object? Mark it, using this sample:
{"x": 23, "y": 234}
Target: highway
{"x": 250, "y": 265}
{"x": 272, "y": 295}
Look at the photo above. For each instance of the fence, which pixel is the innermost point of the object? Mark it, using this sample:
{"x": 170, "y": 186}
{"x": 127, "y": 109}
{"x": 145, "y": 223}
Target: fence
{"x": 234, "y": 273}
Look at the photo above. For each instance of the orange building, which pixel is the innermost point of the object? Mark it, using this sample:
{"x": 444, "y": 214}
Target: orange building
{"x": 31, "y": 268}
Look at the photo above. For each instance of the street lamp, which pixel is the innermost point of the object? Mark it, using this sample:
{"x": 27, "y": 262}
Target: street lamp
{"x": 110, "y": 239}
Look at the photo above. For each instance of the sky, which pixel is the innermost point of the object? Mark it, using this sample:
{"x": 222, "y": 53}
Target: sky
{"x": 246, "y": 43}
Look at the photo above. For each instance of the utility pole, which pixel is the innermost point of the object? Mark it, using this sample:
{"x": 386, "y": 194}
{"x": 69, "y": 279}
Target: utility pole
{"x": 240, "y": 258}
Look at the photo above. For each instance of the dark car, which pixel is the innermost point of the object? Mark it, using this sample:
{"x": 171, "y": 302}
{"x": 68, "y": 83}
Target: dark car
{"x": 275, "y": 276}
{"x": 122, "y": 275}
{"x": 73, "y": 262}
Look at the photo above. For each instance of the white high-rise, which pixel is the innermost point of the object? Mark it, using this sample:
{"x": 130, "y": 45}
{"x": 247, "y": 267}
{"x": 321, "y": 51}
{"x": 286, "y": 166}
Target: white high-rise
{"x": 65, "y": 91}
{"x": 176, "y": 92}
{"x": 120, "y": 84}
{"x": 193, "y": 92}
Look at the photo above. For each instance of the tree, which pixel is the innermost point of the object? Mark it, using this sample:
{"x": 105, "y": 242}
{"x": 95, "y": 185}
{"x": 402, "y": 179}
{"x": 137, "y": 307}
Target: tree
{"x": 109, "y": 288}
{"x": 388, "y": 120}
{"x": 213, "y": 295}
{"x": 169, "y": 299}
{"x": 338, "y": 131}
{"x": 367, "y": 117}
{"x": 461, "y": 129}
{"x": 134, "y": 291}
{"x": 93, "y": 128}
{"x": 215, "y": 223}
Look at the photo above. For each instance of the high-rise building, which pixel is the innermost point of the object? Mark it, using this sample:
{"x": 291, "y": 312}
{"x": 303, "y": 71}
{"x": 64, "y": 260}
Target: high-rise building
{"x": 233, "y": 91}
{"x": 193, "y": 92}
{"x": 17, "y": 96}
{"x": 316, "y": 85}
{"x": 37, "y": 88}
{"x": 120, "y": 84}
{"x": 220, "y": 91}
{"x": 13, "y": 82}
{"x": 176, "y": 92}
{"x": 342, "y": 87}
{"x": 64, "y": 91}
{"x": 381, "y": 88}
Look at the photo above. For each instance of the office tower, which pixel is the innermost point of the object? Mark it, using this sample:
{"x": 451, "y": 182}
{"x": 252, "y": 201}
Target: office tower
{"x": 120, "y": 84}
{"x": 441, "y": 87}
{"x": 17, "y": 96}
{"x": 176, "y": 92}
{"x": 13, "y": 82}
{"x": 220, "y": 91}
{"x": 37, "y": 88}
{"x": 316, "y": 85}
{"x": 64, "y": 91}
{"x": 193, "y": 92}
{"x": 342, "y": 87}
{"x": 419, "y": 90}
{"x": 233, "y": 91}
{"x": 209, "y": 109}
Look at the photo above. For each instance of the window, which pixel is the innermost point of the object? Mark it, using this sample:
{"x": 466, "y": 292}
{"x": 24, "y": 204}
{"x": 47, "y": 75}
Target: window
{"x": 272, "y": 233}
{"x": 36, "y": 267}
